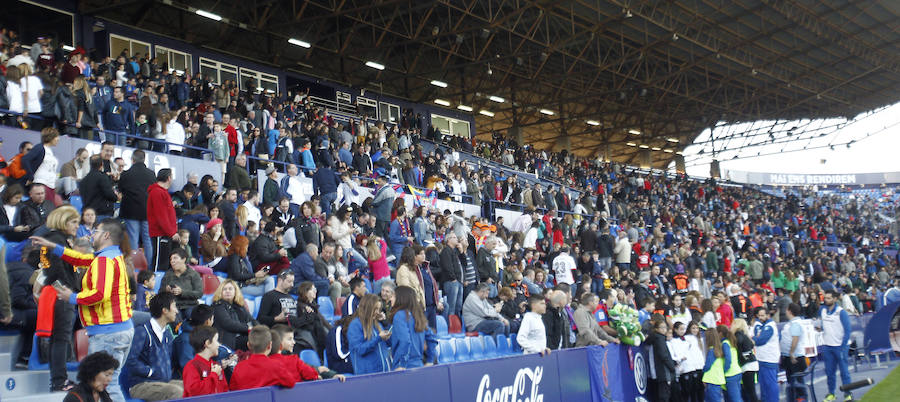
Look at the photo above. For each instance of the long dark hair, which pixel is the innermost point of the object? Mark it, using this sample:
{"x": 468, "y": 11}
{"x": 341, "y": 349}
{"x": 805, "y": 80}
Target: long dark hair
{"x": 405, "y": 299}
{"x": 408, "y": 257}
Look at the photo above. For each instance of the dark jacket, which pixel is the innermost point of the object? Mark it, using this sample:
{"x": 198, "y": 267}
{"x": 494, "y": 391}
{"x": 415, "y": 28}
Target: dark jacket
{"x": 150, "y": 358}
{"x": 239, "y": 178}
{"x": 97, "y": 192}
{"x": 304, "y": 269}
{"x": 305, "y": 231}
{"x": 32, "y": 160}
{"x": 451, "y": 268}
{"x": 486, "y": 265}
{"x": 325, "y": 181}
{"x": 588, "y": 239}
{"x": 34, "y": 215}
{"x": 84, "y": 393}
{"x": 191, "y": 287}
{"x": 338, "y": 351}
{"x": 232, "y": 321}
{"x": 263, "y": 250}
{"x": 133, "y": 184}
{"x": 605, "y": 246}
{"x": 19, "y": 273}
{"x": 238, "y": 268}
{"x": 229, "y": 221}
{"x": 556, "y": 324}
{"x": 271, "y": 192}
{"x": 662, "y": 359}
{"x": 66, "y": 110}
{"x": 58, "y": 269}
{"x": 88, "y": 110}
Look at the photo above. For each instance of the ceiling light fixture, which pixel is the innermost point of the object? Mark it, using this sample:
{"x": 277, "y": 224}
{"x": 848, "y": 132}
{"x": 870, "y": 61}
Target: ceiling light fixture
{"x": 672, "y": 139}
{"x": 642, "y": 146}
{"x": 656, "y": 148}
{"x": 437, "y": 83}
{"x": 442, "y": 102}
{"x": 593, "y": 122}
{"x": 299, "y": 42}
{"x": 375, "y": 65}
{"x": 631, "y": 144}
{"x": 547, "y": 112}
{"x": 464, "y": 108}
{"x": 635, "y": 132}
{"x": 209, "y": 15}
{"x": 668, "y": 151}
{"x": 497, "y": 99}
{"x": 486, "y": 113}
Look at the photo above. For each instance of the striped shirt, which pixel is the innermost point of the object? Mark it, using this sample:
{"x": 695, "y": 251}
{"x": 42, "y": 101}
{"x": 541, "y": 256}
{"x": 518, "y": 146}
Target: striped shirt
{"x": 104, "y": 303}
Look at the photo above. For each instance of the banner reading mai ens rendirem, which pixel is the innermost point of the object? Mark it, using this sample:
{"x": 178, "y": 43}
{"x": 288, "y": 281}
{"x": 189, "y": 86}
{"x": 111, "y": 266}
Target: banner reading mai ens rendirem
{"x": 791, "y": 179}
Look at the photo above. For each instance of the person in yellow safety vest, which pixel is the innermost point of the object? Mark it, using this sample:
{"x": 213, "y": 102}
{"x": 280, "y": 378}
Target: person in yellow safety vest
{"x": 717, "y": 361}
{"x": 733, "y": 373}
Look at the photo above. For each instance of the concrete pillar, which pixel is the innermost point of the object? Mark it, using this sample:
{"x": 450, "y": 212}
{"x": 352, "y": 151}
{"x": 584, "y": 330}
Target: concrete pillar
{"x": 646, "y": 159}
{"x": 714, "y": 170}
{"x": 679, "y": 164}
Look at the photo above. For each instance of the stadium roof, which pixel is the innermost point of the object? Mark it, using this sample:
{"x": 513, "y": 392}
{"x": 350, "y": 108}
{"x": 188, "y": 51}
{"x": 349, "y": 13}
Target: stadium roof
{"x": 664, "y": 69}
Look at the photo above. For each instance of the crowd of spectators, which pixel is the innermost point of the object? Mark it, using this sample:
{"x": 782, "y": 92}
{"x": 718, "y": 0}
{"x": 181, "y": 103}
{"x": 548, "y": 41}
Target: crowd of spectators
{"x": 705, "y": 267}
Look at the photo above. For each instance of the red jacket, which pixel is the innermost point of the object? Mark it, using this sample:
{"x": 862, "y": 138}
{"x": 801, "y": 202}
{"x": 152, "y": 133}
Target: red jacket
{"x": 299, "y": 370}
{"x": 232, "y": 140}
{"x": 160, "y": 212}
{"x": 260, "y": 371}
{"x": 200, "y": 380}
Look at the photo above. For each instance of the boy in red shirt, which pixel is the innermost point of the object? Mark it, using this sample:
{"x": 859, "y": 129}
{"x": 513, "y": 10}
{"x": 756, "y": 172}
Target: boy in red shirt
{"x": 283, "y": 338}
{"x": 258, "y": 370}
{"x": 201, "y": 375}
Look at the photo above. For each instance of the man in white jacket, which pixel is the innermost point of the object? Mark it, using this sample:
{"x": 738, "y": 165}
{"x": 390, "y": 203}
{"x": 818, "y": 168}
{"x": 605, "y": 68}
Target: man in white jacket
{"x": 532, "y": 335}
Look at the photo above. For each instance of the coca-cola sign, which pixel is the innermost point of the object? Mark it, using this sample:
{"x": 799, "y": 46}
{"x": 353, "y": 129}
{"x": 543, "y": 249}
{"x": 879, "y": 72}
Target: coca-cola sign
{"x": 524, "y": 388}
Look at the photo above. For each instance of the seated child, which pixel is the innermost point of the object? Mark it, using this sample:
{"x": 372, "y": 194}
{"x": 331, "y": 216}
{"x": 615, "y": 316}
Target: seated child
{"x": 258, "y": 370}
{"x": 202, "y": 375}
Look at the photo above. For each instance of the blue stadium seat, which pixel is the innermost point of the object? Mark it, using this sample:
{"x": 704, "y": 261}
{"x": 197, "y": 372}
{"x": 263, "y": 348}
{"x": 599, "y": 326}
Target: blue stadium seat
{"x": 159, "y": 277}
{"x": 445, "y": 352}
{"x": 207, "y": 300}
{"x": 326, "y": 308}
{"x": 462, "y": 350}
{"x": 503, "y": 348}
{"x": 514, "y": 344}
{"x": 310, "y": 357}
{"x": 76, "y": 202}
{"x": 476, "y": 347}
{"x": 220, "y": 274}
{"x": 34, "y": 361}
{"x": 490, "y": 348}
{"x": 256, "y": 302}
{"x": 442, "y": 331}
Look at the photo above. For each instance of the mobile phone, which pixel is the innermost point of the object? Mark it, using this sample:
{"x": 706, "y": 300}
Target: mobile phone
{"x": 58, "y": 285}
{"x": 267, "y": 268}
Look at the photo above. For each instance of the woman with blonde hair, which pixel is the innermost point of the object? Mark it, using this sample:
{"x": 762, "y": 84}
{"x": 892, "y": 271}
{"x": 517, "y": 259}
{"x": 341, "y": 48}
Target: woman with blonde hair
{"x": 240, "y": 215}
{"x": 32, "y": 89}
{"x": 63, "y": 225}
{"x": 87, "y": 114}
{"x": 746, "y": 358}
{"x": 231, "y": 316}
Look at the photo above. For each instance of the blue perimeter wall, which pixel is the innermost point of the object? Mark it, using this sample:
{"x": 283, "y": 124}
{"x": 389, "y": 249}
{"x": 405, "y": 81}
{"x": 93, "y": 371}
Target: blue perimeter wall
{"x": 573, "y": 375}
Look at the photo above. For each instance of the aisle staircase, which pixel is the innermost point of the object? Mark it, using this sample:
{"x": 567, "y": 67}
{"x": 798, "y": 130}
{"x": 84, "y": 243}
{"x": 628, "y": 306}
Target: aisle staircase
{"x": 23, "y": 385}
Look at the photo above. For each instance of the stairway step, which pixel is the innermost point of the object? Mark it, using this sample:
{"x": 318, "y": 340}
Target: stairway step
{"x": 23, "y": 383}
{"x": 8, "y": 344}
{"x": 46, "y": 397}
{"x": 6, "y": 361}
